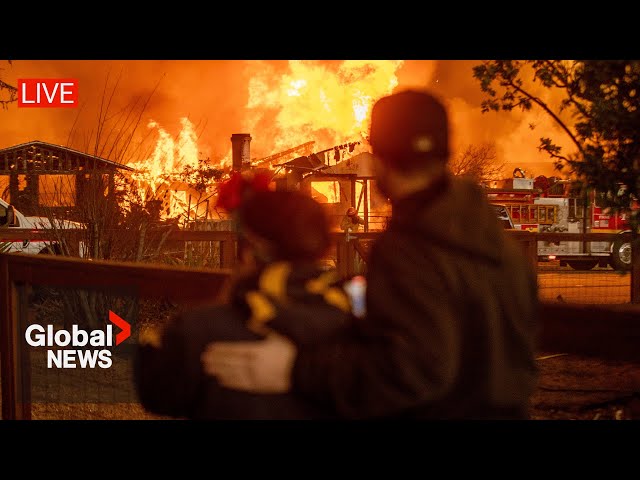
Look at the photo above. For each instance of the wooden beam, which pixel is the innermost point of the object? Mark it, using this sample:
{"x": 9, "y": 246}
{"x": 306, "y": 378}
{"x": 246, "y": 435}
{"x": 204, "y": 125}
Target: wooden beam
{"x": 145, "y": 280}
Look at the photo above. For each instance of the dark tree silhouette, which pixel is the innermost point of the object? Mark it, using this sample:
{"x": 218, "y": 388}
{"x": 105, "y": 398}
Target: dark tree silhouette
{"x": 478, "y": 162}
{"x": 600, "y": 99}
{"x": 8, "y": 93}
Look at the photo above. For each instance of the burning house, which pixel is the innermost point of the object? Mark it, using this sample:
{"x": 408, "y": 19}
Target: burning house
{"x": 37, "y": 175}
{"x": 350, "y": 183}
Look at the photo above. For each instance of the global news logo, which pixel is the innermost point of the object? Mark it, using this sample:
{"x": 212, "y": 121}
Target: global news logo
{"x": 78, "y": 348}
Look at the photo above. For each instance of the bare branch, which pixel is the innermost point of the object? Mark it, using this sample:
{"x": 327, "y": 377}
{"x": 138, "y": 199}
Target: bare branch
{"x": 478, "y": 162}
{"x": 13, "y": 94}
{"x": 546, "y": 108}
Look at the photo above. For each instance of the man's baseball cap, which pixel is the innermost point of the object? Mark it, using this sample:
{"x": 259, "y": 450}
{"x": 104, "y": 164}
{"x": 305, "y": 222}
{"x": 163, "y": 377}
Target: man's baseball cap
{"x": 409, "y": 128}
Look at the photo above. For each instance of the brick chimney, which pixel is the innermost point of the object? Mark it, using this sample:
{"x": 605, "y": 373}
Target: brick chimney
{"x": 240, "y": 151}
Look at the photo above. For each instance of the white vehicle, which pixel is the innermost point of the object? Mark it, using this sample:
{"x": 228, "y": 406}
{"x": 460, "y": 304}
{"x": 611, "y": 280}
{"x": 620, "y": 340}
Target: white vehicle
{"x": 569, "y": 214}
{"x": 10, "y": 218}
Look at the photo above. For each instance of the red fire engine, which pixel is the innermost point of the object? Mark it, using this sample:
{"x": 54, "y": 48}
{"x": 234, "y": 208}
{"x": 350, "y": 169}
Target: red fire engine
{"x": 553, "y": 205}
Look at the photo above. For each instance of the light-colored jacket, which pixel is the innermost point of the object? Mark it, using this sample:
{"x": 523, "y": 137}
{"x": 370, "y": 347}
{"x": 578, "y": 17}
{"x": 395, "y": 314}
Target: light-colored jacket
{"x": 351, "y": 222}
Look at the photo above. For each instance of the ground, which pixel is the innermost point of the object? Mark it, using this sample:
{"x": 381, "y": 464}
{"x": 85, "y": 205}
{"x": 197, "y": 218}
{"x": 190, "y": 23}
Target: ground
{"x": 581, "y": 388}
{"x": 570, "y": 388}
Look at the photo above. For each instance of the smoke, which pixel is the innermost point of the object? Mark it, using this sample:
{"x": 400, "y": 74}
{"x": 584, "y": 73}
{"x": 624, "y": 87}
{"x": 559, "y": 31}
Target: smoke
{"x": 215, "y": 95}
{"x": 515, "y": 135}
{"x": 211, "y": 94}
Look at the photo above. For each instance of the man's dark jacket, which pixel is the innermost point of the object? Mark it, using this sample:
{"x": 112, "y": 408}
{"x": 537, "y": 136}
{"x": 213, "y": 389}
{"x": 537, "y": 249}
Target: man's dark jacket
{"x": 299, "y": 301}
{"x": 450, "y": 329}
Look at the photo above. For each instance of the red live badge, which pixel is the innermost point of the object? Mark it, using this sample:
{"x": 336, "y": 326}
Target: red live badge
{"x": 47, "y": 93}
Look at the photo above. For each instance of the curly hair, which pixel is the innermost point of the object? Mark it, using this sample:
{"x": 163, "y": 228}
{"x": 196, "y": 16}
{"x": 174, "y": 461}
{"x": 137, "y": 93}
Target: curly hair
{"x": 294, "y": 224}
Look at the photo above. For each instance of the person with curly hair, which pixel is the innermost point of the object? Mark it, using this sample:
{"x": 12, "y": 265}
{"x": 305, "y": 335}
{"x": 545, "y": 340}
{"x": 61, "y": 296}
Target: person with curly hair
{"x": 279, "y": 287}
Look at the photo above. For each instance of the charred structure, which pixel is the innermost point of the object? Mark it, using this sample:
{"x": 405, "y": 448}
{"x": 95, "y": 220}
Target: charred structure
{"x": 37, "y": 175}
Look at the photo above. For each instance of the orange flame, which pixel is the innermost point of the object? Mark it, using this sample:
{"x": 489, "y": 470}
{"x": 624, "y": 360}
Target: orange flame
{"x": 325, "y": 191}
{"x": 327, "y": 103}
{"x": 318, "y": 101}
{"x": 161, "y": 176}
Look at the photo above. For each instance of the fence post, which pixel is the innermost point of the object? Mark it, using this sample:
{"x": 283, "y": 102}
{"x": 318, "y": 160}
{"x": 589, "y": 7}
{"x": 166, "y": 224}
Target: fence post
{"x": 13, "y": 407}
{"x": 6, "y": 353}
{"x": 528, "y": 242}
{"x": 228, "y": 253}
{"x": 635, "y": 268}
{"x": 342, "y": 247}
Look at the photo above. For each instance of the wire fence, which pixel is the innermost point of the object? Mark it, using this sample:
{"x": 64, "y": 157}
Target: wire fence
{"x": 600, "y": 285}
{"x": 578, "y": 276}
{"x": 44, "y": 290}
{"x": 592, "y": 268}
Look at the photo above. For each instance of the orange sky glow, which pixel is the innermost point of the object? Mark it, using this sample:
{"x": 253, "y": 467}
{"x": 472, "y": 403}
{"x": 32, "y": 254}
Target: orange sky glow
{"x": 180, "y": 110}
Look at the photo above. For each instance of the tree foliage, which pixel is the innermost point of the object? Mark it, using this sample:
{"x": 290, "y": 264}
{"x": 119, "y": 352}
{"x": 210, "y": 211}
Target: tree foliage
{"x": 601, "y": 100}
{"x": 202, "y": 177}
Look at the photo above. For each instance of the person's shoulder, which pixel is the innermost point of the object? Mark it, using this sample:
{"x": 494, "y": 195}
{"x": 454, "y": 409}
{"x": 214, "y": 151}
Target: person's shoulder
{"x": 212, "y": 320}
{"x": 387, "y": 238}
{"x": 200, "y": 312}
{"x": 398, "y": 246}
{"x": 468, "y": 189}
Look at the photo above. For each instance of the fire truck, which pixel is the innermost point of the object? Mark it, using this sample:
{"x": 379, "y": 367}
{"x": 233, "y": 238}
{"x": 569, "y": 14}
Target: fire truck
{"x": 541, "y": 205}
{"x": 10, "y": 218}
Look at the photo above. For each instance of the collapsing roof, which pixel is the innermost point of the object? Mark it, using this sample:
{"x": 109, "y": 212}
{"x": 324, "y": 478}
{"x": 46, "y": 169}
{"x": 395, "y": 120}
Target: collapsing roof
{"x": 360, "y": 165}
{"x": 45, "y": 157}
{"x": 309, "y": 163}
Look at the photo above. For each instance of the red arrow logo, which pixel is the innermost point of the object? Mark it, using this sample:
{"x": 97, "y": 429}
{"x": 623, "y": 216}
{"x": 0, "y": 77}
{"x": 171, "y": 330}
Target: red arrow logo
{"x": 124, "y": 326}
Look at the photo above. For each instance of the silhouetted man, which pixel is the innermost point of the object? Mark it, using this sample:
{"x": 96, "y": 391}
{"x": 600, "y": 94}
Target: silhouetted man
{"x": 450, "y": 326}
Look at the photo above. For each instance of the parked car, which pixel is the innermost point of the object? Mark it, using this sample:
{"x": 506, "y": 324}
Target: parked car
{"x": 10, "y": 218}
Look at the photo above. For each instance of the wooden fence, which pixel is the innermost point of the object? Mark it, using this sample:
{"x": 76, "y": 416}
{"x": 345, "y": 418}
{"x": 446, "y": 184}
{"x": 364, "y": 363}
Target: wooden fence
{"x": 604, "y": 331}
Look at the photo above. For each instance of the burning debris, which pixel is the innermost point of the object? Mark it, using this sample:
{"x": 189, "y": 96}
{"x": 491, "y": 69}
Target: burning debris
{"x": 329, "y": 104}
{"x": 174, "y": 178}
